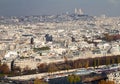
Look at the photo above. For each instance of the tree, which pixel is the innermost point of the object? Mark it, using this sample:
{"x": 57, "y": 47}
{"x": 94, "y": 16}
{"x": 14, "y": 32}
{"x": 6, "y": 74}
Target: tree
{"x": 4, "y": 68}
{"x": 108, "y": 37}
{"x": 67, "y": 67}
{"x": 65, "y": 59}
{"x": 106, "y": 82}
{"x": 76, "y": 79}
{"x": 75, "y": 65}
{"x": 110, "y": 82}
{"x": 87, "y": 64}
{"x": 98, "y": 62}
{"x": 113, "y": 61}
{"x": 38, "y": 81}
{"x": 73, "y": 79}
{"x": 52, "y": 67}
{"x": 42, "y": 67}
{"x": 94, "y": 63}
{"x": 41, "y": 49}
{"x": 118, "y": 59}
{"x": 70, "y": 79}
{"x": 107, "y": 61}
{"x": 79, "y": 65}
{"x": 16, "y": 70}
{"x": 26, "y": 68}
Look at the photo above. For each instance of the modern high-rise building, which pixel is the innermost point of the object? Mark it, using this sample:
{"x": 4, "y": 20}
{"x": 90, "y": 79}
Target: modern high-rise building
{"x": 48, "y": 37}
{"x": 31, "y": 41}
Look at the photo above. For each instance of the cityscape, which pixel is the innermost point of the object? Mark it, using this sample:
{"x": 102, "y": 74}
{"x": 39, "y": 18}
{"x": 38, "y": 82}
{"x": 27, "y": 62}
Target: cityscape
{"x": 32, "y": 46}
{"x": 63, "y": 48}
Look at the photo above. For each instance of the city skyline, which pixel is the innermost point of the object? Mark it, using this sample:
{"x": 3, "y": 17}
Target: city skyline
{"x": 47, "y": 7}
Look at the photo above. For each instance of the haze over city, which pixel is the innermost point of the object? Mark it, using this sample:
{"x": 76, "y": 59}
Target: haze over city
{"x": 59, "y": 42}
{"x": 47, "y": 7}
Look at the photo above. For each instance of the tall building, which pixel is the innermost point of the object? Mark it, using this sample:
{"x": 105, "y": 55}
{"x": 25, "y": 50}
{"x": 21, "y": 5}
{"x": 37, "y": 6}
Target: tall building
{"x": 31, "y": 41}
{"x": 48, "y": 37}
{"x": 79, "y": 11}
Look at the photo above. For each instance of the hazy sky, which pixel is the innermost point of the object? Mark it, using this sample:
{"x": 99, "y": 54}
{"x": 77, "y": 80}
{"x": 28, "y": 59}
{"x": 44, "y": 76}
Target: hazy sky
{"x": 40, "y": 7}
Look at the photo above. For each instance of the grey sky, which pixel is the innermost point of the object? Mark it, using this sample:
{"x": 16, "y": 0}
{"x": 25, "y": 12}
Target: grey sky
{"x": 40, "y": 7}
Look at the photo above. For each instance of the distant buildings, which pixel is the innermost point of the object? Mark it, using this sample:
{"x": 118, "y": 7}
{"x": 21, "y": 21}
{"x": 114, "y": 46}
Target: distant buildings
{"x": 48, "y": 37}
{"x": 79, "y": 11}
{"x": 72, "y": 35}
{"x": 115, "y": 76}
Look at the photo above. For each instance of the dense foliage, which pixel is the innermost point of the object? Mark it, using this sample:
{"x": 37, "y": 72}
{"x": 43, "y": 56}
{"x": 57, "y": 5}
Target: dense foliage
{"x": 106, "y": 82}
{"x": 40, "y": 49}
